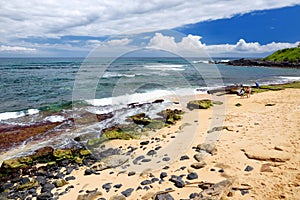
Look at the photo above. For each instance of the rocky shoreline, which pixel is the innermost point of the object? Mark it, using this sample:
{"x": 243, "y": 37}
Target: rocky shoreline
{"x": 260, "y": 62}
{"x": 206, "y": 171}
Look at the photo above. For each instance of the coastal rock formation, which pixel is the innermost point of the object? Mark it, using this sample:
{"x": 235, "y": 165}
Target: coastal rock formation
{"x": 199, "y": 104}
{"x": 110, "y": 162}
{"x": 264, "y": 63}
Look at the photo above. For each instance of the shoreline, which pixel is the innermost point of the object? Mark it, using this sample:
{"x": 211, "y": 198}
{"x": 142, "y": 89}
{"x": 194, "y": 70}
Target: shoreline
{"x": 256, "y": 146}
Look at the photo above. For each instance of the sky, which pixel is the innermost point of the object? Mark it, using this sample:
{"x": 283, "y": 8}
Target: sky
{"x": 229, "y": 28}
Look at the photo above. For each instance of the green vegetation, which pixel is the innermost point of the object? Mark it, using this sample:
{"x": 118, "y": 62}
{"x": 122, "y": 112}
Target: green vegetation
{"x": 200, "y": 104}
{"x": 285, "y": 55}
{"x": 264, "y": 88}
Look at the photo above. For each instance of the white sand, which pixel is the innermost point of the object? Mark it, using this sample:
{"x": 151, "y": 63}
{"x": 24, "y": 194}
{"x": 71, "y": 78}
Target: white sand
{"x": 262, "y": 131}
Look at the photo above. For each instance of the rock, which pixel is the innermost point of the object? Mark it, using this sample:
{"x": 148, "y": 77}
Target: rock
{"x": 207, "y": 147}
{"x": 141, "y": 119}
{"x": 185, "y": 157}
{"x": 61, "y": 183}
{"x": 163, "y": 175}
{"x": 131, "y": 173}
{"x": 199, "y": 157}
{"x": 61, "y": 154}
{"x": 144, "y": 142}
{"x": 166, "y": 159}
{"x": 146, "y": 160}
{"x": 47, "y": 188}
{"x": 198, "y": 165}
{"x": 267, "y": 155}
{"x": 118, "y": 186}
{"x": 192, "y": 176}
{"x": 193, "y": 195}
{"x": 85, "y": 152}
{"x": 148, "y": 196}
{"x": 88, "y": 172}
{"x": 151, "y": 153}
{"x": 199, "y": 104}
{"x": 146, "y": 182}
{"x": 137, "y": 159}
{"x": 217, "y": 191}
{"x": 171, "y": 116}
{"x": 28, "y": 185}
{"x": 110, "y": 162}
{"x": 89, "y": 196}
{"x": 127, "y": 192}
{"x": 266, "y": 168}
{"x": 43, "y": 154}
{"x": 14, "y": 163}
{"x": 154, "y": 180}
{"x": 106, "y": 186}
{"x": 117, "y": 197}
{"x": 177, "y": 181}
{"x": 44, "y": 196}
{"x": 248, "y": 168}
{"x": 158, "y": 101}
{"x": 69, "y": 178}
{"x": 165, "y": 196}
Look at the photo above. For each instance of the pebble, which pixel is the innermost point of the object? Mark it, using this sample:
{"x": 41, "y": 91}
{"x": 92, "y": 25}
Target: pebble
{"x": 166, "y": 159}
{"x": 146, "y": 188}
{"x": 193, "y": 195}
{"x": 164, "y": 197}
{"x": 163, "y": 175}
{"x": 154, "y": 180}
{"x": 88, "y": 172}
{"x": 151, "y": 153}
{"x": 198, "y": 165}
{"x": 106, "y": 186}
{"x": 221, "y": 170}
{"x": 131, "y": 173}
{"x": 146, "y": 182}
{"x": 248, "y": 168}
{"x": 144, "y": 143}
{"x": 192, "y": 176}
{"x": 185, "y": 157}
{"x": 47, "y": 188}
{"x": 44, "y": 196}
{"x": 137, "y": 159}
{"x": 70, "y": 178}
{"x": 157, "y": 148}
{"x": 127, "y": 192}
{"x": 118, "y": 186}
{"x": 146, "y": 160}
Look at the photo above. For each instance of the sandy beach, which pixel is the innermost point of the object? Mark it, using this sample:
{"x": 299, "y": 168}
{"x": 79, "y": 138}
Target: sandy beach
{"x": 256, "y": 148}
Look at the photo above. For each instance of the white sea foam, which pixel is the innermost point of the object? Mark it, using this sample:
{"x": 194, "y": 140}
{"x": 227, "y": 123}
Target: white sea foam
{"x": 165, "y": 67}
{"x": 13, "y": 115}
{"x": 130, "y": 98}
{"x": 290, "y": 78}
{"x": 55, "y": 118}
{"x": 201, "y": 61}
{"x": 115, "y": 74}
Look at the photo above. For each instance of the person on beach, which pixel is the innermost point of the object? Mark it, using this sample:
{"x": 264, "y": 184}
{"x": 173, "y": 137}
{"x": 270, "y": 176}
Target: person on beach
{"x": 242, "y": 92}
{"x": 248, "y": 91}
{"x": 257, "y": 84}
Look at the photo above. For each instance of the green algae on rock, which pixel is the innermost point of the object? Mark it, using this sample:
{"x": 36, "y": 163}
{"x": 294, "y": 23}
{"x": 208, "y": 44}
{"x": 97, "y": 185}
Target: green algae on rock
{"x": 200, "y": 104}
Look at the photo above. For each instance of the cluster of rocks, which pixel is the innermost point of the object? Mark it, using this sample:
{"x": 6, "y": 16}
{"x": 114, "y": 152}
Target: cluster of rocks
{"x": 260, "y": 62}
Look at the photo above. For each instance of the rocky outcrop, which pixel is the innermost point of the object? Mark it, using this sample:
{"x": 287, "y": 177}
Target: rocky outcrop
{"x": 199, "y": 104}
{"x": 264, "y": 63}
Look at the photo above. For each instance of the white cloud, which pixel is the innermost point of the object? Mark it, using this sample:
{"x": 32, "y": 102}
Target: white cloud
{"x": 49, "y": 18}
{"x": 192, "y": 46}
{"x": 16, "y": 49}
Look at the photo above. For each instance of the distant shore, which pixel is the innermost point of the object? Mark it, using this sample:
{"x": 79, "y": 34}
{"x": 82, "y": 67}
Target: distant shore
{"x": 260, "y": 62}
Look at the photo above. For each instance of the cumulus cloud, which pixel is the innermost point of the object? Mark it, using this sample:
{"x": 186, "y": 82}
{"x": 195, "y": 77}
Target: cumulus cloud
{"x": 50, "y": 18}
{"x": 4, "y": 48}
{"x": 191, "y": 45}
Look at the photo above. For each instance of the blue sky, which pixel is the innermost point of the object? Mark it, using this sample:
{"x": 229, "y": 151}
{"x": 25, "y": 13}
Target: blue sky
{"x": 220, "y": 28}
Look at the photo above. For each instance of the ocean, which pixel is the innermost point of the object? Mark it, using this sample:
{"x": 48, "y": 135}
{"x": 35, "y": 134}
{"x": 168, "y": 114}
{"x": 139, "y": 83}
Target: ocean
{"x": 34, "y": 90}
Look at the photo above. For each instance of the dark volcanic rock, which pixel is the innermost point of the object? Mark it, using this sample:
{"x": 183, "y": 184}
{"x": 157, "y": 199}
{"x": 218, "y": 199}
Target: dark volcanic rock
{"x": 185, "y": 157}
{"x": 248, "y": 168}
{"x": 106, "y": 186}
{"x": 127, "y": 192}
{"x": 47, "y": 188}
{"x": 192, "y": 176}
{"x": 164, "y": 197}
{"x": 44, "y": 196}
{"x": 151, "y": 153}
{"x": 163, "y": 175}
{"x": 131, "y": 173}
{"x": 146, "y": 182}
{"x": 137, "y": 159}
{"x": 258, "y": 62}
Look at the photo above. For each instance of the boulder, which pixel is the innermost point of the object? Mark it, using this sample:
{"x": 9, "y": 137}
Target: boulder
{"x": 208, "y": 148}
{"x": 61, "y": 154}
{"x": 199, "y": 104}
{"x": 267, "y": 155}
{"x": 110, "y": 162}
{"x": 198, "y": 165}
